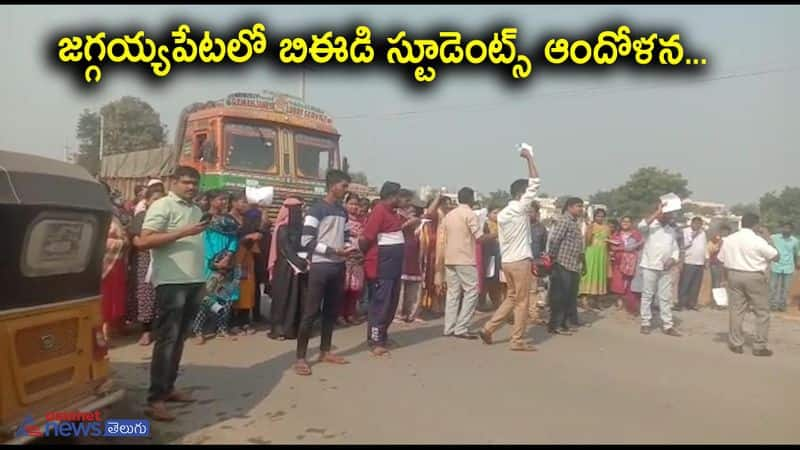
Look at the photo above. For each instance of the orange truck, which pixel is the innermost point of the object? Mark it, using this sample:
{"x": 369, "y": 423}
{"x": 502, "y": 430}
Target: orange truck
{"x": 245, "y": 139}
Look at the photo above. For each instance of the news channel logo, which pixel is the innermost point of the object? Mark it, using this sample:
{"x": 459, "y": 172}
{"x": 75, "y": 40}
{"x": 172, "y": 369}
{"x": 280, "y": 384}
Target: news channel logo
{"x": 118, "y": 428}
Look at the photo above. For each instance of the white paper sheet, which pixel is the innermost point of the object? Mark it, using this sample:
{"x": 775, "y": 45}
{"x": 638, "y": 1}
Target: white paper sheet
{"x": 261, "y": 196}
{"x": 670, "y": 202}
{"x": 720, "y": 296}
{"x": 483, "y": 216}
{"x": 524, "y": 146}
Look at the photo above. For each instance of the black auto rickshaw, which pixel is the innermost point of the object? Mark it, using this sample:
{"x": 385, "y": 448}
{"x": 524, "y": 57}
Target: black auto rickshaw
{"x": 54, "y": 218}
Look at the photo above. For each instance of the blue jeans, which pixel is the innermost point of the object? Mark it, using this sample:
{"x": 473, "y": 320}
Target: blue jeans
{"x": 657, "y": 285}
{"x": 779, "y": 284}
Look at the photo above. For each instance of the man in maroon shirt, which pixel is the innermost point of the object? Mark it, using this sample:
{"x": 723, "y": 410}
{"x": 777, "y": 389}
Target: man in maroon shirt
{"x": 383, "y": 244}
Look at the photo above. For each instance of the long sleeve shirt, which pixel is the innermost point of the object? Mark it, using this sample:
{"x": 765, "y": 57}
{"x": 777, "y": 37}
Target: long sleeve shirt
{"x": 514, "y": 226}
{"x": 660, "y": 245}
{"x": 461, "y": 231}
{"x": 325, "y": 230}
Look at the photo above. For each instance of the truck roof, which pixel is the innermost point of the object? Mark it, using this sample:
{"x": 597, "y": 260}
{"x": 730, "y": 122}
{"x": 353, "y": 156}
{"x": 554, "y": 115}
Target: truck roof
{"x": 267, "y": 105}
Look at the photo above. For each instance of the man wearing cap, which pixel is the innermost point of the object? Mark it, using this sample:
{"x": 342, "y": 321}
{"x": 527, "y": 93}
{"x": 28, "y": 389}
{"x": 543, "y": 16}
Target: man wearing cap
{"x": 152, "y": 185}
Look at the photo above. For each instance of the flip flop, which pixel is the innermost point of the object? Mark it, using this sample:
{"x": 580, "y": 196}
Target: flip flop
{"x": 333, "y": 359}
{"x": 302, "y": 369}
{"x": 524, "y": 348}
{"x": 380, "y": 352}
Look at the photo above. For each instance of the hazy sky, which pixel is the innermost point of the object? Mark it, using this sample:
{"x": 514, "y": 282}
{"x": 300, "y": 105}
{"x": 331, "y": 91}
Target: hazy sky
{"x": 733, "y": 137}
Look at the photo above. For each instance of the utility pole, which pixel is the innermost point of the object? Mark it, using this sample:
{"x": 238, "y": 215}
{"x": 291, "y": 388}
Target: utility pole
{"x": 66, "y": 150}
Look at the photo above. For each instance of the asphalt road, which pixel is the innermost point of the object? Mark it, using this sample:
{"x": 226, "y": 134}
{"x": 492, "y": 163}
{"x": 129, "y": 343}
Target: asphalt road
{"x": 606, "y": 384}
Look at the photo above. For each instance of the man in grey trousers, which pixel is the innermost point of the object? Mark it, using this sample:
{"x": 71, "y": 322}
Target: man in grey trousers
{"x": 659, "y": 256}
{"x": 461, "y": 234}
{"x": 746, "y": 257}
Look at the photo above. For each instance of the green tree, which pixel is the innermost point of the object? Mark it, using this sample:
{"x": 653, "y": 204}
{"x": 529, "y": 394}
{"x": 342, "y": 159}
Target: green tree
{"x": 640, "y": 193}
{"x": 88, "y": 134}
{"x": 777, "y": 209}
{"x": 742, "y": 208}
{"x": 497, "y": 199}
{"x": 131, "y": 124}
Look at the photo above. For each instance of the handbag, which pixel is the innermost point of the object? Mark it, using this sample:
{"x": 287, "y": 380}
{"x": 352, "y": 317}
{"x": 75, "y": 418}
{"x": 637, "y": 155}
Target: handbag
{"x": 542, "y": 266}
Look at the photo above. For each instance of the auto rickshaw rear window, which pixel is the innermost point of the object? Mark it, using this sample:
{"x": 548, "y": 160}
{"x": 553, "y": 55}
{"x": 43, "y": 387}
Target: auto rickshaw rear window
{"x": 58, "y": 243}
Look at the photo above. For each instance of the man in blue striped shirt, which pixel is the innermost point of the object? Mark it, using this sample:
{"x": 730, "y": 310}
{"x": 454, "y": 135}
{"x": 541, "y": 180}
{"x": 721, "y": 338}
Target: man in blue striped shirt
{"x": 325, "y": 237}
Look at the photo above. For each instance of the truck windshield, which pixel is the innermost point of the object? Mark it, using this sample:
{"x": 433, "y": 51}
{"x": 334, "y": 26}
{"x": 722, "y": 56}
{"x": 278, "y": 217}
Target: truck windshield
{"x": 314, "y": 155}
{"x": 250, "y": 147}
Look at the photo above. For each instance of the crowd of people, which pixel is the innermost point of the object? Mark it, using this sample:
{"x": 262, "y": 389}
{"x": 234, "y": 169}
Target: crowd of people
{"x": 182, "y": 262}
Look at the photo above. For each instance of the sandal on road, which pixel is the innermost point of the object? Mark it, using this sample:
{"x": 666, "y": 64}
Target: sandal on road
{"x": 523, "y": 348}
{"x": 380, "y": 352}
{"x": 158, "y": 412}
{"x": 332, "y": 359}
{"x": 302, "y": 368}
{"x": 180, "y": 397}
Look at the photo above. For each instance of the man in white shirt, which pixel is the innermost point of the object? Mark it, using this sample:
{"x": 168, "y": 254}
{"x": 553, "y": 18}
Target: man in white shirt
{"x": 746, "y": 257}
{"x": 694, "y": 264}
{"x": 660, "y": 254}
{"x": 514, "y": 235}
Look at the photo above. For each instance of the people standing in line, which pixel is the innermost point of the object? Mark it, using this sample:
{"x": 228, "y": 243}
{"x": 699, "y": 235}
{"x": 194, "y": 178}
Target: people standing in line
{"x": 565, "y": 245}
{"x": 411, "y": 280}
{"x": 222, "y": 274}
{"x": 460, "y": 234}
{"x": 141, "y": 289}
{"x": 659, "y": 256}
{"x": 625, "y": 245}
{"x": 354, "y": 265}
{"x": 594, "y": 283}
{"x": 326, "y": 238}
{"x": 172, "y": 229}
{"x": 433, "y": 285}
{"x": 288, "y": 271}
{"x": 514, "y": 235}
{"x": 694, "y": 265}
{"x": 746, "y": 257}
{"x": 113, "y": 286}
{"x": 383, "y": 244}
{"x": 782, "y": 270}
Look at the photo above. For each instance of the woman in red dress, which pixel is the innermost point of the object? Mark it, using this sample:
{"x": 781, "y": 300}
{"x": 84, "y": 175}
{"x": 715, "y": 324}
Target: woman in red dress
{"x": 113, "y": 286}
{"x": 625, "y": 245}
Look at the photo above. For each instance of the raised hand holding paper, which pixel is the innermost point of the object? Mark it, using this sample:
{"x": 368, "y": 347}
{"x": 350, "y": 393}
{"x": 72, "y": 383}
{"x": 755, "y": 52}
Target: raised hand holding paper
{"x": 525, "y": 147}
{"x": 670, "y": 202}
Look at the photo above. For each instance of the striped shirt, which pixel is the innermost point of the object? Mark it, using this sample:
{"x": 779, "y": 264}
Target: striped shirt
{"x": 325, "y": 230}
{"x": 384, "y": 233}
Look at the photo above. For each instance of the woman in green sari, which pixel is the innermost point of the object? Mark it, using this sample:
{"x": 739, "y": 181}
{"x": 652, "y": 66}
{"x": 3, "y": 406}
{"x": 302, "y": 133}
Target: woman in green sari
{"x": 595, "y": 281}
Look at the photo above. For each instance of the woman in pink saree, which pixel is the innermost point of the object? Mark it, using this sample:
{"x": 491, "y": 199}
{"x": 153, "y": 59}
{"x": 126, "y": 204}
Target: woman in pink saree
{"x": 625, "y": 245}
